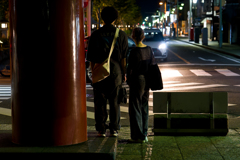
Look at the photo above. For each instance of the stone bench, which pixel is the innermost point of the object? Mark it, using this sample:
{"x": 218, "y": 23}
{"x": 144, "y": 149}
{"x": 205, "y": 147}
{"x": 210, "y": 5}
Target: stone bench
{"x": 190, "y": 113}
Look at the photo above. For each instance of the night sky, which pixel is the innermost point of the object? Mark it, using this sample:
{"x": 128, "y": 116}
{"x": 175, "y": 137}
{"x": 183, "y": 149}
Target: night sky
{"x": 148, "y": 6}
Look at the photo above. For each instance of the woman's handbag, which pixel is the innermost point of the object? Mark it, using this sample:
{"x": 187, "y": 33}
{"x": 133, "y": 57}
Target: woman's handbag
{"x": 102, "y": 70}
{"x": 154, "y": 78}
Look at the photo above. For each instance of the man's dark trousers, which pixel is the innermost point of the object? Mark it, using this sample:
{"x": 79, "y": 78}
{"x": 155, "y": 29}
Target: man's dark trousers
{"x": 102, "y": 93}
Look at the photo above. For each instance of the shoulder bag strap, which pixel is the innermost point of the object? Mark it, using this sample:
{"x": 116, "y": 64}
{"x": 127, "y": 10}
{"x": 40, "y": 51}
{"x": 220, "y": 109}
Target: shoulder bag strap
{"x": 113, "y": 43}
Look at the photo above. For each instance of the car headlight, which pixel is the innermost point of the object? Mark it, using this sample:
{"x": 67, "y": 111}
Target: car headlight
{"x": 162, "y": 46}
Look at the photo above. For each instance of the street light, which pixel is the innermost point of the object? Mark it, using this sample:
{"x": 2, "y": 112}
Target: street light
{"x": 160, "y": 3}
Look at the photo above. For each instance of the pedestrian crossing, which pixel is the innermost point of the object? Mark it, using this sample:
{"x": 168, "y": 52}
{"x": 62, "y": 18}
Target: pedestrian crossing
{"x": 198, "y": 72}
{"x": 169, "y": 85}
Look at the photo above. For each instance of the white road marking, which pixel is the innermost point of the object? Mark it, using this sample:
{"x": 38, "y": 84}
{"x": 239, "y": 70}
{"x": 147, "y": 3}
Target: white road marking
{"x": 231, "y": 104}
{"x": 231, "y": 59}
{"x": 166, "y": 82}
{"x": 5, "y": 111}
{"x": 193, "y": 87}
{"x": 237, "y": 85}
{"x": 180, "y": 84}
{"x": 4, "y": 98}
{"x": 171, "y": 73}
{"x": 200, "y": 72}
{"x": 211, "y": 60}
{"x": 226, "y": 72}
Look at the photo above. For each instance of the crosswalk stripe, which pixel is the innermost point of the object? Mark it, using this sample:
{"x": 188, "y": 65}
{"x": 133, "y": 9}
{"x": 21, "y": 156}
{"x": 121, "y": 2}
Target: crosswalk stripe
{"x": 200, "y": 72}
{"x": 171, "y": 73}
{"x": 166, "y": 82}
{"x": 193, "y": 87}
{"x": 5, "y": 111}
{"x": 4, "y": 98}
{"x": 5, "y": 95}
{"x": 237, "y": 85}
{"x": 226, "y": 72}
{"x": 181, "y": 84}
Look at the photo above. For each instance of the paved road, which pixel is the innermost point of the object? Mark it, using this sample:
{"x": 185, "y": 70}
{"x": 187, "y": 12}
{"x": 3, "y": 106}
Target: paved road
{"x": 188, "y": 69}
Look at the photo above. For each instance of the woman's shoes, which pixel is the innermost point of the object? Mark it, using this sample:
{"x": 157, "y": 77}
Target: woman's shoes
{"x": 146, "y": 139}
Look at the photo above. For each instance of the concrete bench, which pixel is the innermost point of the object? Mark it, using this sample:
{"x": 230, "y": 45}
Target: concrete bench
{"x": 190, "y": 113}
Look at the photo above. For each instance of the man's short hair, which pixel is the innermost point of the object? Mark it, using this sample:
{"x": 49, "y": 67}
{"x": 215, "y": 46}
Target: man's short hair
{"x": 109, "y": 14}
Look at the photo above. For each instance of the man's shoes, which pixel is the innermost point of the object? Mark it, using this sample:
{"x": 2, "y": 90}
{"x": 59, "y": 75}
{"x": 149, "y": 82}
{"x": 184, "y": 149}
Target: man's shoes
{"x": 101, "y": 134}
{"x": 136, "y": 141}
{"x": 113, "y": 133}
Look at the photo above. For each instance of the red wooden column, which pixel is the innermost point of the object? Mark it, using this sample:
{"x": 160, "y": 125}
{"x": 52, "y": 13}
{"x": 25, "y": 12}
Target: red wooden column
{"x": 48, "y": 72}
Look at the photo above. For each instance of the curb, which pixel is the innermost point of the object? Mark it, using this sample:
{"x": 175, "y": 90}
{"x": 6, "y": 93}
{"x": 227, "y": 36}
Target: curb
{"x": 231, "y": 54}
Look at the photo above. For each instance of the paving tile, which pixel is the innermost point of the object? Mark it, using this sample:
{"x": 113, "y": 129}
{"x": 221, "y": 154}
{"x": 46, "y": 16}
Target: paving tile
{"x": 132, "y": 150}
{"x": 164, "y": 141}
{"x": 225, "y": 142}
{"x": 195, "y": 144}
{"x": 129, "y": 157}
{"x": 165, "y": 153}
{"x": 202, "y": 157}
{"x": 192, "y": 139}
{"x": 198, "y": 148}
{"x": 230, "y": 153}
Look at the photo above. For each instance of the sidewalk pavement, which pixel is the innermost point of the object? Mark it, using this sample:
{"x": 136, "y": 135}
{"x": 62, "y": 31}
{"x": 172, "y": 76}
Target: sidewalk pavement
{"x": 229, "y": 49}
{"x": 157, "y": 148}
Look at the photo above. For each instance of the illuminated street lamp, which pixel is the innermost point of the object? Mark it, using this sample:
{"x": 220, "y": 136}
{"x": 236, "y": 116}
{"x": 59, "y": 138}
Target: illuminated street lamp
{"x": 160, "y": 3}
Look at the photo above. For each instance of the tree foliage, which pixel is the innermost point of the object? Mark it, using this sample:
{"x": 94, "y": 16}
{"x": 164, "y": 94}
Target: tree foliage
{"x": 129, "y": 12}
{"x": 3, "y": 10}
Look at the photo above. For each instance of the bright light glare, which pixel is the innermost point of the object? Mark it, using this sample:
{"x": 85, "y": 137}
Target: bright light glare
{"x": 1, "y": 42}
{"x": 194, "y": 1}
{"x": 180, "y": 8}
{"x": 162, "y": 46}
{"x": 182, "y": 4}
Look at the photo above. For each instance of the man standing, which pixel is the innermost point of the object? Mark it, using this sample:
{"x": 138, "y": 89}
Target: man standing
{"x": 108, "y": 89}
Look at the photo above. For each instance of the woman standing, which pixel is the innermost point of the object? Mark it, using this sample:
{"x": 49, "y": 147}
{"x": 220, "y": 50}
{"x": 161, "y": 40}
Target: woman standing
{"x": 138, "y": 62}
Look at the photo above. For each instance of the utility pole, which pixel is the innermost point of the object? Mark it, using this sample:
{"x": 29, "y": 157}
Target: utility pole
{"x": 220, "y": 24}
{"x": 213, "y": 20}
{"x": 189, "y": 18}
{"x": 177, "y": 18}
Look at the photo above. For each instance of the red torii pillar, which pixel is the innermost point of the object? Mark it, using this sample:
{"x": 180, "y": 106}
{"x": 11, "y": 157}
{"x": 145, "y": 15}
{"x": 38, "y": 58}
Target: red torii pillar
{"x": 48, "y": 72}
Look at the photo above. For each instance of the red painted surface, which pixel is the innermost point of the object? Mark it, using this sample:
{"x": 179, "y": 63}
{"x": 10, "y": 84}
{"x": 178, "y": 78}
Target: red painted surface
{"x": 48, "y": 72}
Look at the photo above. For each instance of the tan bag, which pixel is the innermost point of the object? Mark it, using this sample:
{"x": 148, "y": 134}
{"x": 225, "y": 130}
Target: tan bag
{"x": 101, "y": 71}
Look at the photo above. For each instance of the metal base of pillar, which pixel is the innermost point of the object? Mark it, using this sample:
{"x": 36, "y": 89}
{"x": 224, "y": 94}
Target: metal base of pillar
{"x": 94, "y": 148}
